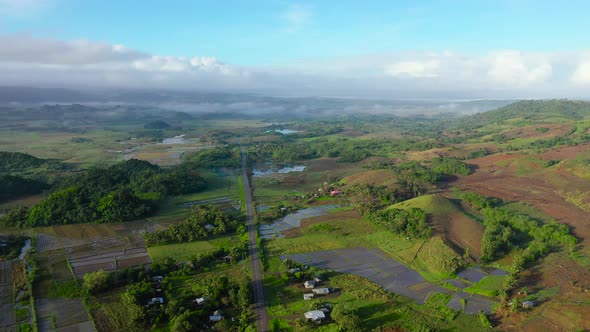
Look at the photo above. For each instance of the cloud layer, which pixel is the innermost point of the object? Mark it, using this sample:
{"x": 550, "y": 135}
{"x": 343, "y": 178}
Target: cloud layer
{"x": 28, "y": 60}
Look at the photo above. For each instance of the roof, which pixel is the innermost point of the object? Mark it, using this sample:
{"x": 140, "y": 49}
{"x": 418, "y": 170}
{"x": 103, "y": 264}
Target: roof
{"x": 215, "y": 318}
{"x": 308, "y": 296}
{"x": 315, "y": 315}
{"x": 321, "y": 291}
{"x": 309, "y": 283}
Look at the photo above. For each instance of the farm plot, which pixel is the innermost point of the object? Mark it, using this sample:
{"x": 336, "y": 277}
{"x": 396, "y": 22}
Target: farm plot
{"x": 68, "y": 236}
{"x": 62, "y": 315}
{"x": 7, "y": 313}
{"x": 85, "y": 262}
{"x": 388, "y": 273}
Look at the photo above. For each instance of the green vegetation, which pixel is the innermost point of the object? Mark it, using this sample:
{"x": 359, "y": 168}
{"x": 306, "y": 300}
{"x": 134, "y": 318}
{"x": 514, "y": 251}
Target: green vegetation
{"x": 123, "y": 192}
{"x": 204, "y": 222}
{"x": 488, "y": 286}
{"x": 449, "y": 166}
{"x": 215, "y": 157}
{"x": 505, "y": 230}
{"x": 410, "y": 222}
{"x": 22, "y": 162}
{"x": 187, "y": 250}
{"x": 13, "y": 186}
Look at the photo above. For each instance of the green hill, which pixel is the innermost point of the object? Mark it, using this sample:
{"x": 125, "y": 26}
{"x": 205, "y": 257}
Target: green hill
{"x": 527, "y": 112}
{"x": 431, "y": 204}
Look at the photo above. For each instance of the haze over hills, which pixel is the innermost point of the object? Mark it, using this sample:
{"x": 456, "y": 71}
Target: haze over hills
{"x": 239, "y": 103}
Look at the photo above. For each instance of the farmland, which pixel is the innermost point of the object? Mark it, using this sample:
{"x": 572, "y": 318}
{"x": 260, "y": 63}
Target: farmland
{"x": 411, "y": 229}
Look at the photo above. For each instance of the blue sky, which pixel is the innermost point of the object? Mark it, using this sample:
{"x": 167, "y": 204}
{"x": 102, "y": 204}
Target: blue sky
{"x": 295, "y": 37}
{"x": 261, "y": 32}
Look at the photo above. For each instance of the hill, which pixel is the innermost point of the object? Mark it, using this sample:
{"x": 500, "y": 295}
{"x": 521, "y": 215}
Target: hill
{"x": 449, "y": 219}
{"x": 528, "y": 112}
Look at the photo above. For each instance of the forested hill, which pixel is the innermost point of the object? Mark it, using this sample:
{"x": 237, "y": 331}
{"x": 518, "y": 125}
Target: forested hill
{"x": 17, "y": 161}
{"x": 530, "y": 112}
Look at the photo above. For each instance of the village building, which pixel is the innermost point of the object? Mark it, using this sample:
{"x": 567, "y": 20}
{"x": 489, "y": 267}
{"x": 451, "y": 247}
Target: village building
{"x": 315, "y": 315}
{"x": 216, "y": 317}
{"x": 308, "y": 296}
{"x": 309, "y": 284}
{"x": 321, "y": 291}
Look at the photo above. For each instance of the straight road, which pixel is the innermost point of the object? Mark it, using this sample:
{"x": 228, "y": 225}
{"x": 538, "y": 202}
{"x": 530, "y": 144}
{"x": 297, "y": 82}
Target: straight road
{"x": 262, "y": 320}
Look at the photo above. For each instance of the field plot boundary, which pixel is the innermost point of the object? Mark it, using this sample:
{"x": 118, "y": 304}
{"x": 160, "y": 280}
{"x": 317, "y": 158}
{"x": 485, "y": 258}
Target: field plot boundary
{"x": 392, "y": 275}
{"x": 109, "y": 261}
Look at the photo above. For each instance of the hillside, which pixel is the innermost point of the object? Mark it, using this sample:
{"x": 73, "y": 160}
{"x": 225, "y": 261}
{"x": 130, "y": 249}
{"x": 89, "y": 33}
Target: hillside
{"x": 450, "y": 219}
{"x": 528, "y": 112}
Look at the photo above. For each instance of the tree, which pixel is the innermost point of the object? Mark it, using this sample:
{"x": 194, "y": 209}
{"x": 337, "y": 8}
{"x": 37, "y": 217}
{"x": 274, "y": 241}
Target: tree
{"x": 96, "y": 282}
{"x": 347, "y": 319}
{"x": 244, "y": 296}
{"x": 182, "y": 323}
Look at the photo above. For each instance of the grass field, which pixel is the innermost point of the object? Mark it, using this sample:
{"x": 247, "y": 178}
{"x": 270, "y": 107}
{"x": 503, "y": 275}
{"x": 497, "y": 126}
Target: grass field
{"x": 185, "y": 251}
{"x": 487, "y": 286}
{"x": 431, "y": 204}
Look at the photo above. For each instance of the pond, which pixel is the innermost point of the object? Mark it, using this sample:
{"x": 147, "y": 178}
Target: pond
{"x": 292, "y": 220}
{"x": 284, "y": 131}
{"x": 267, "y": 169}
{"x": 174, "y": 140}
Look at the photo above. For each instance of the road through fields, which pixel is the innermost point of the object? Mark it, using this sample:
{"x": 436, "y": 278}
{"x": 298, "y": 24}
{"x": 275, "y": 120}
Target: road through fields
{"x": 262, "y": 320}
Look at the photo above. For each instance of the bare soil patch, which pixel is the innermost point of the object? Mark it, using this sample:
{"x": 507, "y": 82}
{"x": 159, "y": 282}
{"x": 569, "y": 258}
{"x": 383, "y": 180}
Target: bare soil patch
{"x": 459, "y": 229}
{"x": 541, "y": 190}
{"x": 569, "y": 310}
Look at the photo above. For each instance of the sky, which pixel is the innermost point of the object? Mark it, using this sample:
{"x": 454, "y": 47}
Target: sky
{"x": 385, "y": 49}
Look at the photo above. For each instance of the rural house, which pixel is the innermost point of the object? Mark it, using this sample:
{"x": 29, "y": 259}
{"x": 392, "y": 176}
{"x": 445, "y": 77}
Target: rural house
{"x": 321, "y": 291}
{"x": 199, "y": 301}
{"x": 308, "y": 296}
{"x": 315, "y": 315}
{"x": 309, "y": 284}
{"x": 216, "y": 317}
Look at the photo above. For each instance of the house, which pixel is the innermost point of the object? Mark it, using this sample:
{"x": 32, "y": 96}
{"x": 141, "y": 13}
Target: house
{"x": 199, "y": 301}
{"x": 334, "y": 193}
{"x": 321, "y": 291}
{"x": 216, "y": 317}
{"x": 155, "y": 300}
{"x": 315, "y": 315}
{"x": 308, "y": 296}
{"x": 157, "y": 279}
{"x": 294, "y": 270}
{"x": 309, "y": 284}
{"x": 317, "y": 280}
{"x": 528, "y": 304}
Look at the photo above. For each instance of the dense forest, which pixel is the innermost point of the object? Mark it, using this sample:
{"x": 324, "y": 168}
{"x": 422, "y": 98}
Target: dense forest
{"x": 122, "y": 192}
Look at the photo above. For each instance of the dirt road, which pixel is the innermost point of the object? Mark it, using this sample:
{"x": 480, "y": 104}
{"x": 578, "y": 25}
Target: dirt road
{"x": 262, "y": 320}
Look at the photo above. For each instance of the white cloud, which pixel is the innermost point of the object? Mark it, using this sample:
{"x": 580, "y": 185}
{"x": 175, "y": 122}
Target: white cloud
{"x": 20, "y": 8}
{"x": 416, "y": 69}
{"x": 296, "y": 17}
{"x": 28, "y": 60}
{"x": 582, "y": 73}
{"x": 29, "y": 49}
{"x": 516, "y": 68}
